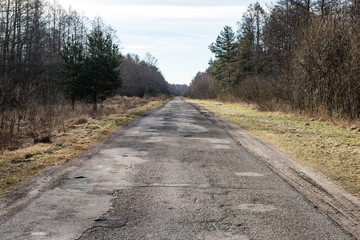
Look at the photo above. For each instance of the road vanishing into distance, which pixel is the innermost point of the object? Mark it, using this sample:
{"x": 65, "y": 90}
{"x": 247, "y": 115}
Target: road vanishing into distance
{"x": 172, "y": 174}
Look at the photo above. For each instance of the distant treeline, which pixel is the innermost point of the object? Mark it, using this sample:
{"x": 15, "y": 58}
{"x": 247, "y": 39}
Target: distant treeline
{"x": 299, "y": 53}
{"x": 143, "y": 77}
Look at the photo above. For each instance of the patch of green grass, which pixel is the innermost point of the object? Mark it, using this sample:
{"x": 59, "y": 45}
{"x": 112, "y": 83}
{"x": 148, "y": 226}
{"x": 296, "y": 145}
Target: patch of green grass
{"x": 329, "y": 149}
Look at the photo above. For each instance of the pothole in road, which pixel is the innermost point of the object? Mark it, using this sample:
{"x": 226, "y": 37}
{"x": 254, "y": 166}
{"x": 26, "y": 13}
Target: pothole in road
{"x": 79, "y": 177}
{"x": 124, "y": 156}
{"x": 106, "y": 171}
{"x": 249, "y": 174}
{"x": 257, "y": 207}
{"x": 110, "y": 222}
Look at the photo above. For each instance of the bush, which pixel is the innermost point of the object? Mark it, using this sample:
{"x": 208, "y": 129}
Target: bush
{"x": 325, "y": 70}
{"x": 258, "y": 90}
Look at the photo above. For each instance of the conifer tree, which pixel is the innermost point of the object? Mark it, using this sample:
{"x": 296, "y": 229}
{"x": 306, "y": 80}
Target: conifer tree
{"x": 72, "y": 55}
{"x": 225, "y": 63}
{"x": 99, "y": 76}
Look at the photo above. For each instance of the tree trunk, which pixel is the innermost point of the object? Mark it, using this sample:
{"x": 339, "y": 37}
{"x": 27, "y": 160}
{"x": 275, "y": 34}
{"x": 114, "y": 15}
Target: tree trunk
{"x": 95, "y": 98}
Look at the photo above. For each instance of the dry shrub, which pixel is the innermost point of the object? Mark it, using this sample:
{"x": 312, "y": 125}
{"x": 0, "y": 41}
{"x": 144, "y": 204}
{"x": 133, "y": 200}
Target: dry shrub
{"x": 227, "y": 97}
{"x": 258, "y": 90}
{"x": 81, "y": 121}
{"x": 202, "y": 87}
{"x": 42, "y": 121}
{"x": 322, "y": 79}
{"x": 161, "y": 97}
{"x": 325, "y": 69}
{"x": 122, "y": 104}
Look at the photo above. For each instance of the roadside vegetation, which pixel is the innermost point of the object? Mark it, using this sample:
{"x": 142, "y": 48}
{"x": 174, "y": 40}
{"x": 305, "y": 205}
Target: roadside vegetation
{"x": 51, "y": 56}
{"x": 329, "y": 148}
{"x": 61, "y": 78}
{"x": 297, "y": 64}
{"x": 77, "y": 130}
{"x": 300, "y": 55}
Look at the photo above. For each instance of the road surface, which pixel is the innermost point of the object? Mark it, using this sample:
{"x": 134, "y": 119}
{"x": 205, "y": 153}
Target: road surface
{"x": 172, "y": 175}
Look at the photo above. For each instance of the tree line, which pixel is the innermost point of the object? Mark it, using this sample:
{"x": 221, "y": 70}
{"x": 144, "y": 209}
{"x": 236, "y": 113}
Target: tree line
{"x": 143, "y": 77}
{"x": 301, "y": 53}
{"x": 51, "y": 56}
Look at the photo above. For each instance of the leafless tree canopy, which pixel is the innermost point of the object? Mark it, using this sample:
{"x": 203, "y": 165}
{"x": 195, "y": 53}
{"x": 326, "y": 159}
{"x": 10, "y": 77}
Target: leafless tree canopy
{"x": 33, "y": 34}
{"x": 141, "y": 77}
{"x": 302, "y": 53}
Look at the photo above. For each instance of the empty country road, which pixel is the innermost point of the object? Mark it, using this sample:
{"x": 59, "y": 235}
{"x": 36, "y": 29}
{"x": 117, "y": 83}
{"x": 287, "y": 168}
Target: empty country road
{"x": 173, "y": 174}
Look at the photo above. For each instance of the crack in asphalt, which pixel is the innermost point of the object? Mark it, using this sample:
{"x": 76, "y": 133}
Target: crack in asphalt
{"x": 178, "y": 188}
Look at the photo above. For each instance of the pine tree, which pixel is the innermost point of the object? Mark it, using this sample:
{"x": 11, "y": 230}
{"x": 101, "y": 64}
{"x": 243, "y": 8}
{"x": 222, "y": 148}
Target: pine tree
{"x": 225, "y": 63}
{"x": 99, "y": 76}
{"x": 72, "y": 55}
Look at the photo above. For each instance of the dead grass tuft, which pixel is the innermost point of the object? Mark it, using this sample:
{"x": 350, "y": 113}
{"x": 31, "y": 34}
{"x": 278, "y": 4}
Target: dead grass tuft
{"x": 82, "y": 120}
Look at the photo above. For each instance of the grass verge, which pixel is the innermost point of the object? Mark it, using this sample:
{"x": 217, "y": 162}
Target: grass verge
{"x": 76, "y": 137}
{"x": 328, "y": 149}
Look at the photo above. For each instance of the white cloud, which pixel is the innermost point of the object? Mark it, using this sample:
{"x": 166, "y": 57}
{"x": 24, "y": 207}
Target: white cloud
{"x": 177, "y": 32}
{"x": 170, "y": 12}
{"x": 138, "y": 12}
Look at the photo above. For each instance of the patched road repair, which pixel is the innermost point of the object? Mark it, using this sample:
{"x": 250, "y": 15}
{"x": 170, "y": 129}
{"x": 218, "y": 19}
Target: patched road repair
{"x": 173, "y": 174}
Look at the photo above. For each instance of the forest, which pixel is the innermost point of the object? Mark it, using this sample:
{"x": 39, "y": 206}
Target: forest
{"x": 302, "y": 55}
{"x": 52, "y": 58}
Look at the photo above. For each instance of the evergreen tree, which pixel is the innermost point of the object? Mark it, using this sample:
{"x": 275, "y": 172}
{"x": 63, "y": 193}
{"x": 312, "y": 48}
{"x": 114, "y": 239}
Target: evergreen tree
{"x": 72, "y": 55}
{"x": 99, "y": 76}
{"x": 225, "y": 64}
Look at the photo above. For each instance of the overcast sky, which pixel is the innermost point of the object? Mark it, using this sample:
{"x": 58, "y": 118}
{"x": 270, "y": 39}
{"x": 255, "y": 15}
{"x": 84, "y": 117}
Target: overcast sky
{"x": 176, "y": 32}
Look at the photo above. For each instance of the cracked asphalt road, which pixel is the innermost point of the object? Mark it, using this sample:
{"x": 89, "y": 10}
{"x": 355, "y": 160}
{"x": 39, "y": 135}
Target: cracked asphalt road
{"x": 174, "y": 175}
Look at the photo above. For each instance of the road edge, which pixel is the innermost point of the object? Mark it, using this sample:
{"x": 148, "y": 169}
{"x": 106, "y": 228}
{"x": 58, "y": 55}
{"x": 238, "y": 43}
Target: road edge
{"x": 50, "y": 178}
{"x": 330, "y": 198}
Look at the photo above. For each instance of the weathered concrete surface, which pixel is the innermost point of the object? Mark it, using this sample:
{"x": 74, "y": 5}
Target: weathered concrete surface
{"x": 173, "y": 175}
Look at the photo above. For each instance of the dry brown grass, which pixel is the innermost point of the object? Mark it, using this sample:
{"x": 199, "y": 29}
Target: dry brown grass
{"x": 72, "y": 133}
{"x": 329, "y": 148}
